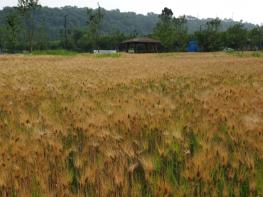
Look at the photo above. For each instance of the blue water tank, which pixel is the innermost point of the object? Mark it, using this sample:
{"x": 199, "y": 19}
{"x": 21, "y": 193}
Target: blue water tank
{"x": 193, "y": 46}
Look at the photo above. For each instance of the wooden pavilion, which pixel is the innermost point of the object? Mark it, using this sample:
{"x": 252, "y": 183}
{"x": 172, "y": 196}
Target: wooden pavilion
{"x": 141, "y": 45}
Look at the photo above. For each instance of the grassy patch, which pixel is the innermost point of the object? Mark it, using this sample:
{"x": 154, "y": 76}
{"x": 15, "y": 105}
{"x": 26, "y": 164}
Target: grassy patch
{"x": 113, "y": 55}
{"x": 259, "y": 176}
{"x": 246, "y": 53}
{"x": 60, "y": 52}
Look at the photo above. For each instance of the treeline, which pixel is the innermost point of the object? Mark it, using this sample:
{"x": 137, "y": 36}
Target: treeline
{"x": 114, "y": 20}
{"x": 30, "y": 27}
{"x": 173, "y": 33}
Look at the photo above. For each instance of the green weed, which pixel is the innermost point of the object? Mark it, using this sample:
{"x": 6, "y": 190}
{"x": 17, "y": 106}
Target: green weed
{"x": 60, "y": 52}
{"x": 113, "y": 55}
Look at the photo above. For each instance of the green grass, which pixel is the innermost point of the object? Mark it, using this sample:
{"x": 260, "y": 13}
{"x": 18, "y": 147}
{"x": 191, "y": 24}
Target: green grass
{"x": 246, "y": 53}
{"x": 60, "y": 52}
{"x": 259, "y": 176}
{"x": 113, "y": 55}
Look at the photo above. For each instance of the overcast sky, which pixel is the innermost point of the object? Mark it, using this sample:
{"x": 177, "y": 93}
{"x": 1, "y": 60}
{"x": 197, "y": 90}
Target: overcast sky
{"x": 246, "y": 10}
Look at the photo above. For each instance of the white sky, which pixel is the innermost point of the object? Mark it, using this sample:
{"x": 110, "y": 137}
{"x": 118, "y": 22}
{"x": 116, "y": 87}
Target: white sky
{"x": 246, "y": 10}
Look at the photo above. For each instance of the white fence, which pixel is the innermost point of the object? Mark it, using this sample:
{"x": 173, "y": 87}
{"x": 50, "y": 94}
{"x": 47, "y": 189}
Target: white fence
{"x": 104, "y": 51}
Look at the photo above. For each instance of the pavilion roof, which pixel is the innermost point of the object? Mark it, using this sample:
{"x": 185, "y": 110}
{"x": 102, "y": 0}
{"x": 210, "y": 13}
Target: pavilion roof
{"x": 142, "y": 40}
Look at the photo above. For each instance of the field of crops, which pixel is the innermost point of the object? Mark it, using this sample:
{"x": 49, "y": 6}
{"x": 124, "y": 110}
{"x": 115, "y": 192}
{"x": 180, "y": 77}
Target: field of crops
{"x": 131, "y": 125}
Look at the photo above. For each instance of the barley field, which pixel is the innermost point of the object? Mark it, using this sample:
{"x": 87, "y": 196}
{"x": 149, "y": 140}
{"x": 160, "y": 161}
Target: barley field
{"x": 131, "y": 125}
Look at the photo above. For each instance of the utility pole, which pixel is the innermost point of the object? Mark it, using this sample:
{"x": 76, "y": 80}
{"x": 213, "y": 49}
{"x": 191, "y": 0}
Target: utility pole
{"x": 66, "y": 31}
{"x": 100, "y": 17}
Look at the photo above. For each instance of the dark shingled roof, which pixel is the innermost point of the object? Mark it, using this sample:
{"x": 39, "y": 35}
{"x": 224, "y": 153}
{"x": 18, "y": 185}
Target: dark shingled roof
{"x": 142, "y": 40}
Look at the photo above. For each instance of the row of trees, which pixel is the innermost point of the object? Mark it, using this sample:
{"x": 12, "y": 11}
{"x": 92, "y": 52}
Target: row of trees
{"x": 22, "y": 16}
{"x": 21, "y": 33}
{"x": 236, "y": 37}
{"x": 20, "y": 25}
{"x": 172, "y": 32}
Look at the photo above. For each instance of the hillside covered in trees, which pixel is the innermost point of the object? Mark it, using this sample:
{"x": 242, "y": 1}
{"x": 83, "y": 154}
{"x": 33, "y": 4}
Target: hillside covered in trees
{"x": 82, "y": 29}
{"x": 114, "y": 21}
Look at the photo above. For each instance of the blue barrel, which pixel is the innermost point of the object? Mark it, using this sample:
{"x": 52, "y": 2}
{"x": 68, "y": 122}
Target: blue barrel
{"x": 193, "y": 46}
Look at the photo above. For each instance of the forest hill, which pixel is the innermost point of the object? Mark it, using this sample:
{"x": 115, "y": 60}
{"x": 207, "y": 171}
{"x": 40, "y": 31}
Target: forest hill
{"x": 115, "y": 27}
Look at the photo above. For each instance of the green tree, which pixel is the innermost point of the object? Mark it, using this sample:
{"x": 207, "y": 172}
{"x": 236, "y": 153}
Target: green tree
{"x": 27, "y": 9}
{"x": 76, "y": 37}
{"x": 166, "y": 15}
{"x": 2, "y": 38}
{"x": 42, "y": 36}
{"x": 165, "y": 30}
{"x": 256, "y": 38}
{"x": 12, "y": 31}
{"x": 214, "y": 25}
{"x": 112, "y": 41}
{"x": 95, "y": 18}
{"x": 181, "y": 36}
{"x": 237, "y": 37}
{"x": 210, "y": 39}
{"x": 171, "y": 31}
